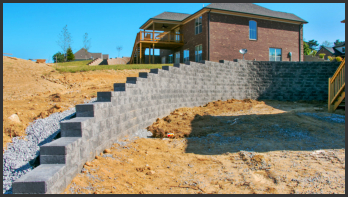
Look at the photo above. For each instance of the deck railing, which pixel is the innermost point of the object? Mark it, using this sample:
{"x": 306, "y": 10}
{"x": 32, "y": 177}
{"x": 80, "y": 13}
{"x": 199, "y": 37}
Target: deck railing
{"x": 161, "y": 37}
{"x": 337, "y": 87}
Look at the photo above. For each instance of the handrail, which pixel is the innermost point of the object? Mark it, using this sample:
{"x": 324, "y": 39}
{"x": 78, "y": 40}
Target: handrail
{"x": 336, "y": 86}
{"x": 338, "y": 70}
{"x": 134, "y": 48}
{"x": 161, "y": 36}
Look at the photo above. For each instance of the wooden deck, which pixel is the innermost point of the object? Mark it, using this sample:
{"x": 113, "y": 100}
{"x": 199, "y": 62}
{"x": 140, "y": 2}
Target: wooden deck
{"x": 152, "y": 40}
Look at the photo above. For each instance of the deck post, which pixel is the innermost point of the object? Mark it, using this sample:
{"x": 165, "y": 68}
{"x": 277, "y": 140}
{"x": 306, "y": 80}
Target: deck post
{"x": 140, "y": 54}
{"x": 150, "y": 55}
{"x": 153, "y": 50}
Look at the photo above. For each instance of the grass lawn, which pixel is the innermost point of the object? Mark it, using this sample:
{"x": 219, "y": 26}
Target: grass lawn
{"x": 81, "y": 66}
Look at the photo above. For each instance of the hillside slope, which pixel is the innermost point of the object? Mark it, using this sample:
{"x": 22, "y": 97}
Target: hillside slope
{"x": 32, "y": 91}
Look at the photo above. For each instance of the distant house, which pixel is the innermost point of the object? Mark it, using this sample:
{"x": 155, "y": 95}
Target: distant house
{"x": 338, "y": 50}
{"x": 82, "y": 54}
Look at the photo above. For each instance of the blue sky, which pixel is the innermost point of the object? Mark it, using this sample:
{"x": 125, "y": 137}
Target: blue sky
{"x": 31, "y": 31}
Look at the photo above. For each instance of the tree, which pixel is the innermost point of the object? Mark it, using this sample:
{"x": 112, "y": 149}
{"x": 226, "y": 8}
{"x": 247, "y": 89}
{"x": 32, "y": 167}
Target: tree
{"x": 313, "y": 53}
{"x": 312, "y": 44}
{"x": 337, "y": 42}
{"x": 326, "y": 44}
{"x": 86, "y": 44}
{"x": 306, "y": 49}
{"x": 69, "y": 54}
{"x": 58, "y": 56}
{"x": 64, "y": 40}
{"x": 119, "y": 48}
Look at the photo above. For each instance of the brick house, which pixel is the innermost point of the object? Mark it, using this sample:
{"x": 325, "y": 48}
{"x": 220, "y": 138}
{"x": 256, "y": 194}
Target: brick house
{"x": 218, "y": 31}
{"x": 338, "y": 50}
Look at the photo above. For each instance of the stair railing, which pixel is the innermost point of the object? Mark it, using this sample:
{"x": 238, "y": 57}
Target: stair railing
{"x": 336, "y": 88}
{"x": 137, "y": 38}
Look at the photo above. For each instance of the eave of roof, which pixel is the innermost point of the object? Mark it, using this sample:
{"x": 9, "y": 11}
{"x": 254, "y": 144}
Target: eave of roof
{"x": 212, "y": 8}
{"x": 302, "y": 21}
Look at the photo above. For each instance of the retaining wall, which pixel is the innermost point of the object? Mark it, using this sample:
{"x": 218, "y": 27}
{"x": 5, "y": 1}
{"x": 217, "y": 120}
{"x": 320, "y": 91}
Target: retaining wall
{"x": 137, "y": 103}
{"x": 95, "y": 62}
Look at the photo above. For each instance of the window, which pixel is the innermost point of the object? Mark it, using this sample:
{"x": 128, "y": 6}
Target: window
{"x": 198, "y": 53}
{"x": 177, "y": 57}
{"x": 344, "y": 49}
{"x": 186, "y": 55}
{"x": 170, "y": 58}
{"x": 275, "y": 54}
{"x": 252, "y": 30}
{"x": 198, "y": 25}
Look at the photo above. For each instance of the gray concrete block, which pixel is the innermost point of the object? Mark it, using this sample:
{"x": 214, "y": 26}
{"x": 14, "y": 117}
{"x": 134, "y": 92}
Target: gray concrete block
{"x": 39, "y": 180}
{"x": 74, "y": 127}
{"x": 119, "y": 86}
{"x": 60, "y": 146}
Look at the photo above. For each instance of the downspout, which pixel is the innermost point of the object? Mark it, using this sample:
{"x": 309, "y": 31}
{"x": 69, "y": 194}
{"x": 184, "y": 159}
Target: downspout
{"x": 299, "y": 39}
{"x": 209, "y": 35}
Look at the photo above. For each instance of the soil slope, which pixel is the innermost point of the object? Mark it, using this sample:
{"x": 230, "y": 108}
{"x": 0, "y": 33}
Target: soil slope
{"x": 36, "y": 90}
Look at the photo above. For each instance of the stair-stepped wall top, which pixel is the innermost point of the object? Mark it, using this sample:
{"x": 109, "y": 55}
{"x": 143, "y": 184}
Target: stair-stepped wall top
{"x": 137, "y": 103}
{"x": 95, "y": 62}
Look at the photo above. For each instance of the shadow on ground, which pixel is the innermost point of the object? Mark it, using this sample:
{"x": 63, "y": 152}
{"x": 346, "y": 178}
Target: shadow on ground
{"x": 293, "y": 131}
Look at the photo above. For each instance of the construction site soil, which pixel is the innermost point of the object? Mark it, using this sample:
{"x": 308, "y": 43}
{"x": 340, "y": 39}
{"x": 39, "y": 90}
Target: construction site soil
{"x": 36, "y": 90}
{"x": 234, "y": 146}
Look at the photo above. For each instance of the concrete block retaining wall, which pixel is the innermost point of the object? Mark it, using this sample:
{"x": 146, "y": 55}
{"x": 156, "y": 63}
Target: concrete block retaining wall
{"x": 137, "y": 103}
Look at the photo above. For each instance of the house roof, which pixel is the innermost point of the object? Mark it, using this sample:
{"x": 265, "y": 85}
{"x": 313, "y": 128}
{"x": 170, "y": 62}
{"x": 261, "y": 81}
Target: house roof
{"x": 332, "y": 50}
{"x": 251, "y": 8}
{"x": 171, "y": 16}
{"x": 341, "y": 44}
{"x": 248, "y": 8}
{"x": 81, "y": 54}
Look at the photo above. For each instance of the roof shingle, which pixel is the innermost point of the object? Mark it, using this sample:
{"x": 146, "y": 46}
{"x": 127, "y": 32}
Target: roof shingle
{"x": 171, "y": 16}
{"x": 254, "y": 9}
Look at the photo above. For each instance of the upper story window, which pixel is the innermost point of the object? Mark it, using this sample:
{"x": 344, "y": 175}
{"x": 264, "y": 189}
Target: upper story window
{"x": 275, "y": 54}
{"x": 198, "y": 53}
{"x": 198, "y": 25}
{"x": 186, "y": 55}
{"x": 344, "y": 49}
{"x": 252, "y": 30}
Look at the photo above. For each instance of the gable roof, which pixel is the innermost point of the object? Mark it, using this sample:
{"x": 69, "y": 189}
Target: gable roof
{"x": 332, "y": 50}
{"x": 248, "y": 8}
{"x": 341, "y": 44}
{"x": 81, "y": 54}
{"x": 171, "y": 16}
{"x": 251, "y": 8}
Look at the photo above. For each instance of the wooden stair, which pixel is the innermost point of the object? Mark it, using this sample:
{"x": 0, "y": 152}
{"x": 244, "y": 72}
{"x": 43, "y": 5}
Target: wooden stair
{"x": 336, "y": 86}
{"x": 136, "y": 50}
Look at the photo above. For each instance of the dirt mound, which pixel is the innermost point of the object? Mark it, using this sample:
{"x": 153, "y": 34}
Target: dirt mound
{"x": 36, "y": 90}
{"x": 181, "y": 121}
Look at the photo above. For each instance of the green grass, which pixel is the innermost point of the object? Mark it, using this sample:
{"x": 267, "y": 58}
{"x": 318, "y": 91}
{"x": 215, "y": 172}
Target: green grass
{"x": 81, "y": 66}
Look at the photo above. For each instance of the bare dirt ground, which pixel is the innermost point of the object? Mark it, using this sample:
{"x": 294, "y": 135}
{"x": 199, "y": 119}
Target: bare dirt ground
{"x": 32, "y": 91}
{"x": 236, "y": 146}
{"x": 223, "y": 147}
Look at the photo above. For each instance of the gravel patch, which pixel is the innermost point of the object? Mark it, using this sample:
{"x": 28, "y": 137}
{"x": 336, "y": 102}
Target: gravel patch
{"x": 20, "y": 155}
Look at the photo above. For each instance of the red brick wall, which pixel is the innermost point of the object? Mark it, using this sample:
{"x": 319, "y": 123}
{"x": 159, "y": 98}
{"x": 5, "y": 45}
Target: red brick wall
{"x": 229, "y": 34}
{"x": 191, "y": 40}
